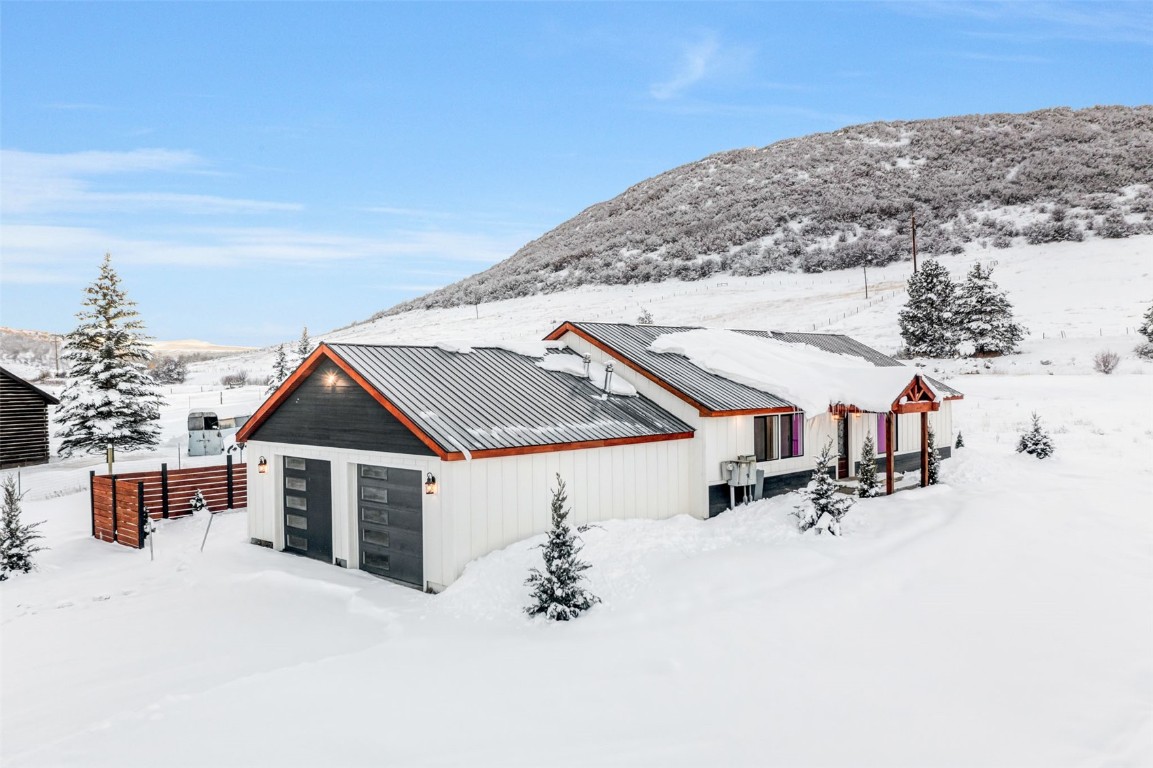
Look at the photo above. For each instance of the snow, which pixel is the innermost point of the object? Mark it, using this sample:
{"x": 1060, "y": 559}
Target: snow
{"x": 998, "y": 619}
{"x": 522, "y": 347}
{"x": 574, "y": 365}
{"x": 808, "y": 377}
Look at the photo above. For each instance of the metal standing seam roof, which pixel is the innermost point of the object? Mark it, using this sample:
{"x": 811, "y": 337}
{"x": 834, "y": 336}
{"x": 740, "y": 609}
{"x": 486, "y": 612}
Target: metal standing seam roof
{"x": 716, "y": 392}
{"x": 492, "y": 398}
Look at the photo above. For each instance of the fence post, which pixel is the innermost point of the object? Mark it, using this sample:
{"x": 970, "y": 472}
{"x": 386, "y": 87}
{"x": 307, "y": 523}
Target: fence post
{"x": 92, "y": 498}
{"x": 141, "y": 515}
{"x": 112, "y": 479}
{"x": 228, "y": 461}
{"x": 164, "y": 490}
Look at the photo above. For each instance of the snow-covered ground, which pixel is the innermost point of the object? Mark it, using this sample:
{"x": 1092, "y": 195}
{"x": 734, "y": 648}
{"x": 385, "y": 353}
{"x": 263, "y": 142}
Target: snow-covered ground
{"x": 1000, "y": 619}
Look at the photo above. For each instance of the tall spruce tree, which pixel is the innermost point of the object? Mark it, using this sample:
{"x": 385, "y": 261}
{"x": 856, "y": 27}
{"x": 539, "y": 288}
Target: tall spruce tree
{"x": 110, "y": 400}
{"x": 17, "y": 539}
{"x": 984, "y": 316}
{"x": 280, "y": 370}
{"x": 868, "y": 485}
{"x": 823, "y": 507}
{"x": 304, "y": 346}
{"x": 928, "y": 325}
{"x": 557, "y": 591}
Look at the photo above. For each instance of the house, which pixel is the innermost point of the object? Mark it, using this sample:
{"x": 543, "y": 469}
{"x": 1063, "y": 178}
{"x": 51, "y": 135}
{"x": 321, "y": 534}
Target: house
{"x": 410, "y": 462}
{"x": 23, "y": 421}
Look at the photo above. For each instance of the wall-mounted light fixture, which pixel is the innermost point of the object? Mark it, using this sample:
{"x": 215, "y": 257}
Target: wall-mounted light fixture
{"x": 429, "y": 483}
{"x": 262, "y": 466}
{"x": 331, "y": 378}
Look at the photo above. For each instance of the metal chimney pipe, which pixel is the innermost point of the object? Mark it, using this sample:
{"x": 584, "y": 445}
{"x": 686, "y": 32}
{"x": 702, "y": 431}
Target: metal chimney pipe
{"x": 608, "y": 377}
{"x": 588, "y": 359}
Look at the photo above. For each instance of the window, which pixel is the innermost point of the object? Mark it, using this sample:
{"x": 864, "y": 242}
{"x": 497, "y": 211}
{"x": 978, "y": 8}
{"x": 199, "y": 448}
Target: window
{"x": 293, "y": 463}
{"x": 884, "y": 439}
{"x": 779, "y": 437}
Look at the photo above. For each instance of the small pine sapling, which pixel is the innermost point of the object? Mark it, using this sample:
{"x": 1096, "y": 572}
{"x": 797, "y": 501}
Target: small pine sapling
{"x": 934, "y": 459}
{"x": 557, "y": 591}
{"x": 197, "y": 502}
{"x": 868, "y": 485}
{"x": 280, "y": 370}
{"x": 304, "y": 346}
{"x": 645, "y": 317}
{"x": 823, "y": 507}
{"x": 960, "y": 441}
{"x": 1146, "y": 328}
{"x": 17, "y": 539}
{"x": 1036, "y": 441}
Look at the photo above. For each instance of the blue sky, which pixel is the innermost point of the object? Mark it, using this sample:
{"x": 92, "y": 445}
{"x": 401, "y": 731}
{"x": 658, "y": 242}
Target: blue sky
{"x": 254, "y": 167}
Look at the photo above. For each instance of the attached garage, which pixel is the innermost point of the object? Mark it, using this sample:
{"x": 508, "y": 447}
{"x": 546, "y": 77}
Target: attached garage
{"x": 410, "y": 462}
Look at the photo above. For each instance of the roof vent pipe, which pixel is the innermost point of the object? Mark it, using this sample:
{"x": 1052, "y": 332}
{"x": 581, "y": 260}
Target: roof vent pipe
{"x": 588, "y": 359}
{"x": 608, "y": 377}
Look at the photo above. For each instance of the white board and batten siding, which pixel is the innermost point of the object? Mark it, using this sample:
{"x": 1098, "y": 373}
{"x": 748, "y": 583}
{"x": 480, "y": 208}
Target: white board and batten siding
{"x": 486, "y": 504}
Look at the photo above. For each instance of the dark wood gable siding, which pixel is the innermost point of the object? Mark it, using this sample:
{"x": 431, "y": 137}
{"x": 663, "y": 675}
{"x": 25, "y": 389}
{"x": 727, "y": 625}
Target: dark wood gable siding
{"x": 331, "y": 410}
{"x": 23, "y": 424}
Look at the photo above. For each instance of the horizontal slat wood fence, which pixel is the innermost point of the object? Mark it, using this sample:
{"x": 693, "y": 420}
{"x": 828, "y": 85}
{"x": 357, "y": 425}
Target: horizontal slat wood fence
{"x": 120, "y": 502}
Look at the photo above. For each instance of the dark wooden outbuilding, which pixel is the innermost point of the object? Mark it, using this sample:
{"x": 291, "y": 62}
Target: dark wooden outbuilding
{"x": 23, "y": 421}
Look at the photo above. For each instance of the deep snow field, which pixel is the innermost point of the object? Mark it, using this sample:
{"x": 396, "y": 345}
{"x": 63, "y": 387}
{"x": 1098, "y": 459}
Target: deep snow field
{"x": 1003, "y": 618}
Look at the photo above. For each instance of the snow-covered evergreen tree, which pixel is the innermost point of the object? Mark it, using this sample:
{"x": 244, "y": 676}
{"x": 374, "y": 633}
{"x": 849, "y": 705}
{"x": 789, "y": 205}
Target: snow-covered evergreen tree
{"x": 960, "y": 441}
{"x": 110, "y": 399}
{"x": 197, "y": 502}
{"x": 304, "y": 346}
{"x": 927, "y": 321}
{"x": 868, "y": 485}
{"x": 557, "y": 591}
{"x": 984, "y": 316}
{"x": 17, "y": 539}
{"x": 280, "y": 370}
{"x": 823, "y": 507}
{"x": 1146, "y": 328}
{"x": 170, "y": 370}
{"x": 934, "y": 459}
{"x": 1036, "y": 441}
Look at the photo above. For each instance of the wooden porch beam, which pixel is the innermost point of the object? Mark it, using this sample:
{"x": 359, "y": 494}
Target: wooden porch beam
{"x": 892, "y": 449}
{"x": 924, "y": 449}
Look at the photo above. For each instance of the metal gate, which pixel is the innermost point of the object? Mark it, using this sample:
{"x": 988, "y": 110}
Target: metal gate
{"x": 391, "y": 535}
{"x": 308, "y": 507}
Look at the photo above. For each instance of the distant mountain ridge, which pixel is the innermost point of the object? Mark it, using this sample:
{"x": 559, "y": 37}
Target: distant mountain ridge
{"x": 840, "y": 199}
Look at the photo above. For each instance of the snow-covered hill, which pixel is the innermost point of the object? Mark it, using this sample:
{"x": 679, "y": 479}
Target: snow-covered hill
{"x": 841, "y": 199}
{"x": 1074, "y": 298}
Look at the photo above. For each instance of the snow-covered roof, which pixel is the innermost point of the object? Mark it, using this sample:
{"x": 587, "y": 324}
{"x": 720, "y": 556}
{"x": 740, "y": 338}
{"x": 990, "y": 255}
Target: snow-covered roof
{"x": 809, "y": 377}
{"x": 743, "y": 384}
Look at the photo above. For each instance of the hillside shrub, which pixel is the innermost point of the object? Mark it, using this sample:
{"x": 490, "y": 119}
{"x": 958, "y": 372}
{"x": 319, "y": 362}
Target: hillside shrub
{"x": 1106, "y": 362}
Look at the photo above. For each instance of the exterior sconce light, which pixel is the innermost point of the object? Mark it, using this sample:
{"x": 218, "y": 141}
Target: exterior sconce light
{"x": 429, "y": 484}
{"x": 262, "y": 466}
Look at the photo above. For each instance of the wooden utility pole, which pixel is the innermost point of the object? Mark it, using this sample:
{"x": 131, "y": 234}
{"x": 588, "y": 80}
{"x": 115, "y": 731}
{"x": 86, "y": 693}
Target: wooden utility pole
{"x": 866, "y": 271}
{"x": 913, "y": 214}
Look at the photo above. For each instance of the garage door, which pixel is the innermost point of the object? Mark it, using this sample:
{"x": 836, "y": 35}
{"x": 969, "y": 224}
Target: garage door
{"x": 391, "y": 524}
{"x": 308, "y": 508}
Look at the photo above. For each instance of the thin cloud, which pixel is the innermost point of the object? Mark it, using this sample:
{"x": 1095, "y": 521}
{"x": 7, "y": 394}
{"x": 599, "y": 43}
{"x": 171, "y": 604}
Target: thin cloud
{"x": 1125, "y": 22}
{"x": 40, "y": 183}
{"x": 49, "y": 253}
{"x": 1003, "y": 58}
{"x": 704, "y": 60}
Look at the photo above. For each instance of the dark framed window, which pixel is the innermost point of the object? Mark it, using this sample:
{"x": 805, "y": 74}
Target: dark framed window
{"x": 779, "y": 436}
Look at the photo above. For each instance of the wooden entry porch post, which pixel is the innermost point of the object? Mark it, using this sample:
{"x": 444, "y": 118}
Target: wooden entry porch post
{"x": 924, "y": 449}
{"x": 891, "y": 449}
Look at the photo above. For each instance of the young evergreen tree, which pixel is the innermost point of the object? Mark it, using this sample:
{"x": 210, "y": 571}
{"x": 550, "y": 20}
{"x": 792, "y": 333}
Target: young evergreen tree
{"x": 927, "y": 321}
{"x": 960, "y": 441}
{"x": 984, "y": 316}
{"x": 1146, "y": 328}
{"x": 823, "y": 507}
{"x": 1036, "y": 441}
{"x": 934, "y": 459}
{"x": 110, "y": 399}
{"x": 280, "y": 370}
{"x": 304, "y": 346}
{"x": 868, "y": 485}
{"x": 557, "y": 591}
{"x": 17, "y": 539}
{"x": 197, "y": 502}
